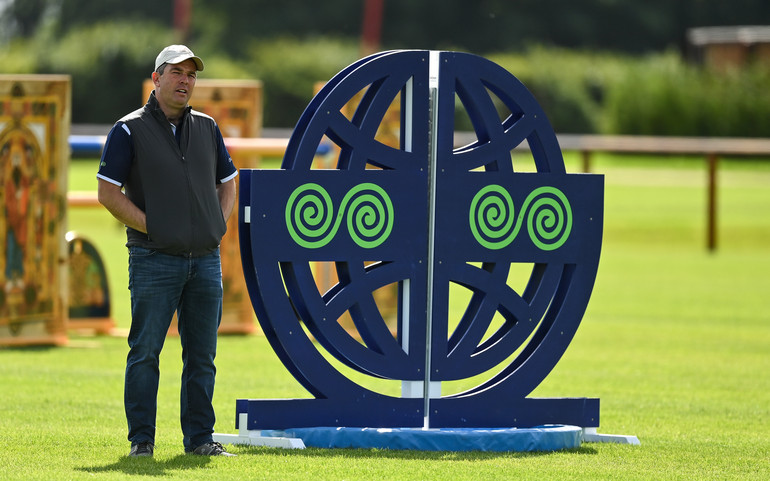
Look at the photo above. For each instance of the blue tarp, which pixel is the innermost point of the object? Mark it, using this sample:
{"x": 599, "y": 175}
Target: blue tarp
{"x": 541, "y": 438}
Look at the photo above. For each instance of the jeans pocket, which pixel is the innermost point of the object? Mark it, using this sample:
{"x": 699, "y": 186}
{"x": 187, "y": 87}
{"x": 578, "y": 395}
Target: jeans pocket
{"x": 136, "y": 251}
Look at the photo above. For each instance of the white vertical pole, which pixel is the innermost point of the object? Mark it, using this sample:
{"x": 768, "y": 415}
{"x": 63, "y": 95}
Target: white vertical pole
{"x": 433, "y": 87}
{"x": 407, "y": 387}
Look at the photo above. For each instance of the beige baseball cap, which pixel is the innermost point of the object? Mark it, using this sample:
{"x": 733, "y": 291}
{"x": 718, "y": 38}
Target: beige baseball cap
{"x": 174, "y": 54}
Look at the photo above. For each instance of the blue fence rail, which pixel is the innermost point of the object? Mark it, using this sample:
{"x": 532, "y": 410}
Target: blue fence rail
{"x": 90, "y": 146}
{"x": 86, "y": 146}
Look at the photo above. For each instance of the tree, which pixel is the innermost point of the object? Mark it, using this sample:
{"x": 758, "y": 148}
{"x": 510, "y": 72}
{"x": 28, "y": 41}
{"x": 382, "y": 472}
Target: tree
{"x": 22, "y": 17}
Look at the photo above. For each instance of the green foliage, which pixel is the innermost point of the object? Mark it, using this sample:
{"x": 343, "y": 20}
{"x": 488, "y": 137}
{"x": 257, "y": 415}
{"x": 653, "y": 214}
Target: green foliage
{"x": 738, "y": 103}
{"x": 661, "y": 95}
{"x": 73, "y": 14}
{"x": 290, "y": 70}
{"x": 107, "y": 61}
{"x": 18, "y": 58}
{"x": 482, "y": 26}
{"x": 569, "y": 85}
{"x": 581, "y": 91}
{"x": 657, "y": 94}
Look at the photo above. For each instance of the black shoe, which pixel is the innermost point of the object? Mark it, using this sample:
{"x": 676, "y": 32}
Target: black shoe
{"x": 211, "y": 449}
{"x": 142, "y": 449}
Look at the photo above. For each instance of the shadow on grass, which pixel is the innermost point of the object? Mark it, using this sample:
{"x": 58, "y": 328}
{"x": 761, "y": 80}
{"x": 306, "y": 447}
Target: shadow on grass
{"x": 150, "y": 466}
{"x": 404, "y": 454}
{"x": 31, "y": 349}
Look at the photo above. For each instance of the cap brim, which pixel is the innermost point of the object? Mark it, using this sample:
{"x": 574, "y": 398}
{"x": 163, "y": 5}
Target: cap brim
{"x": 182, "y": 58}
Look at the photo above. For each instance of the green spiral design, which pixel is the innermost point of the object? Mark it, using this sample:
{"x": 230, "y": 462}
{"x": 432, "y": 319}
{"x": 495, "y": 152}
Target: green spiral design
{"x": 494, "y": 223}
{"x": 312, "y": 223}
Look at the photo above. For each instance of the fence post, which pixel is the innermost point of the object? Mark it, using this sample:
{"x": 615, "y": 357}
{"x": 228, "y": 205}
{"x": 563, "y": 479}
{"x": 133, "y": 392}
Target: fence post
{"x": 586, "y": 161}
{"x": 713, "y": 162}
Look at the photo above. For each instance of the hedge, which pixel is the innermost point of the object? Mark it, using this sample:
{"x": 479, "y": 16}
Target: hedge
{"x": 658, "y": 94}
{"x": 581, "y": 92}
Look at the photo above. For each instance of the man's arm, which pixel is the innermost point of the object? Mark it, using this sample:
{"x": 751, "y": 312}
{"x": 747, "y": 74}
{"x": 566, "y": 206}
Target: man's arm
{"x": 112, "y": 198}
{"x": 226, "y": 194}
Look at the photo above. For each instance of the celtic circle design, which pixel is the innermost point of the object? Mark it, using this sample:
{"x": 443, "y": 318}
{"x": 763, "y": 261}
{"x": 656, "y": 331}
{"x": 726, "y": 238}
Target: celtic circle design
{"x": 423, "y": 219}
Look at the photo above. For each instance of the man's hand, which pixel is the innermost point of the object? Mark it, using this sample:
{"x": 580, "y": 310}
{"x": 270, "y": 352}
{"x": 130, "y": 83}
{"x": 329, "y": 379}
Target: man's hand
{"x": 112, "y": 197}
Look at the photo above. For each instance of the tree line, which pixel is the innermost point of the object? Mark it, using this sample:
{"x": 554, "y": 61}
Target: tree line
{"x": 480, "y": 26}
{"x": 587, "y": 62}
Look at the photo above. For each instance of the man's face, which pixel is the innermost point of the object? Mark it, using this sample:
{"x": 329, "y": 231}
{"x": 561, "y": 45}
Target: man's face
{"x": 175, "y": 87}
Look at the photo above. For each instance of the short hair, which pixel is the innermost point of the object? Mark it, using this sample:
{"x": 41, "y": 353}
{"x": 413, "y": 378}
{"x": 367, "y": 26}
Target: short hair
{"x": 161, "y": 68}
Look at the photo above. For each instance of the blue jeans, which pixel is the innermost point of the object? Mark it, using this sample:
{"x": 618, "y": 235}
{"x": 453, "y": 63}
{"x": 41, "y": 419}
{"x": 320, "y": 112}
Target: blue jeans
{"x": 160, "y": 285}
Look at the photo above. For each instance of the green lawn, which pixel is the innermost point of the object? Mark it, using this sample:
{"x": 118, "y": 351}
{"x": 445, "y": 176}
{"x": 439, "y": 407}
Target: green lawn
{"x": 675, "y": 342}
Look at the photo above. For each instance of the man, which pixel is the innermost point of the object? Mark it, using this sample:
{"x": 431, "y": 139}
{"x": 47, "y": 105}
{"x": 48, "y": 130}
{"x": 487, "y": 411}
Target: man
{"x": 179, "y": 191}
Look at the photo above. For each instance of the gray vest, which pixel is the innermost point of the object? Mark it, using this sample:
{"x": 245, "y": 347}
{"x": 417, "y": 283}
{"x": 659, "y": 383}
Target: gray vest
{"x": 175, "y": 184}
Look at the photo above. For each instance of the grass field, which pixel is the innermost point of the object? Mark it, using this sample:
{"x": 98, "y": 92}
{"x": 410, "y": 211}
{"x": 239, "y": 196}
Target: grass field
{"x": 675, "y": 342}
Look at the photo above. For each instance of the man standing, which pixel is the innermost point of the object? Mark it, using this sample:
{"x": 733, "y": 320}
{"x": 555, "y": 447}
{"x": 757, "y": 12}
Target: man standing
{"x": 179, "y": 191}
